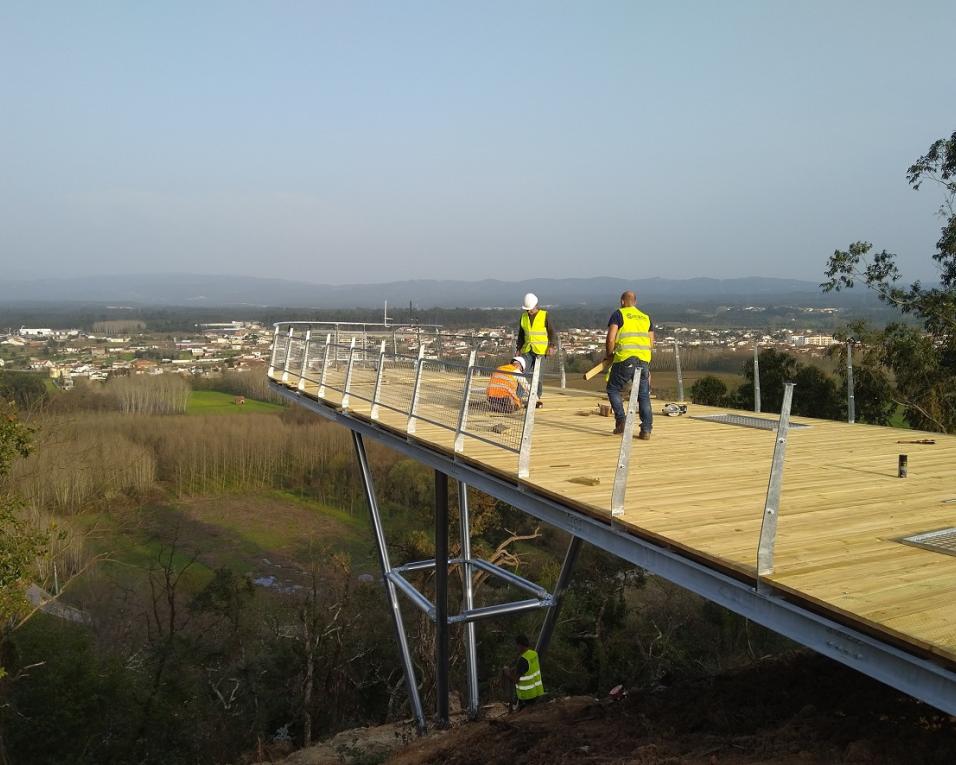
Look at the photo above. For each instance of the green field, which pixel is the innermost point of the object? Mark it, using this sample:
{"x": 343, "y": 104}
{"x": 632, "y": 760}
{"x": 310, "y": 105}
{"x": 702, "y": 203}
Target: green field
{"x": 214, "y": 402}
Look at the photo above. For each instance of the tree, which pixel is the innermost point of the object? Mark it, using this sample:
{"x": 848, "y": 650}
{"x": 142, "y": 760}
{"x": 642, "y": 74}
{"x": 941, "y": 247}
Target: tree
{"x": 709, "y": 390}
{"x": 922, "y": 361}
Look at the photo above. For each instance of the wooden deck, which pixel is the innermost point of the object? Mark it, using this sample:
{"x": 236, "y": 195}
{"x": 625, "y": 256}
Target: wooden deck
{"x": 699, "y": 487}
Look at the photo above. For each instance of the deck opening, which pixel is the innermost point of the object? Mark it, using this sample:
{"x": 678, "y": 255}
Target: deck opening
{"x": 758, "y": 423}
{"x": 941, "y": 540}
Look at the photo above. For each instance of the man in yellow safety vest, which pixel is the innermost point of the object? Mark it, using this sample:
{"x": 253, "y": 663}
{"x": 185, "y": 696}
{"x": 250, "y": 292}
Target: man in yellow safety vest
{"x": 536, "y": 336}
{"x": 527, "y": 672}
{"x": 629, "y": 344}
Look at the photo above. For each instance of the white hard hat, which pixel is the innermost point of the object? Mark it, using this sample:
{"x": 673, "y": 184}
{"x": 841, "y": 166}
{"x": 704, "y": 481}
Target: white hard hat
{"x": 518, "y": 361}
{"x": 530, "y": 301}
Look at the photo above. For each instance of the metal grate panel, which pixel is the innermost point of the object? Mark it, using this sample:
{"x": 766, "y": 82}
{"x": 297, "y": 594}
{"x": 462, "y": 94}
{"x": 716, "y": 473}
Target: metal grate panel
{"x": 758, "y": 423}
{"x": 941, "y": 541}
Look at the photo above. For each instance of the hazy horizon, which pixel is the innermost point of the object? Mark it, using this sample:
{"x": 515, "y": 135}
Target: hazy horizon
{"x": 345, "y": 143}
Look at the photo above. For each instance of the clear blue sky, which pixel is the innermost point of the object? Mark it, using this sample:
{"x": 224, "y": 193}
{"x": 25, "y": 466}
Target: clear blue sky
{"x": 353, "y": 141}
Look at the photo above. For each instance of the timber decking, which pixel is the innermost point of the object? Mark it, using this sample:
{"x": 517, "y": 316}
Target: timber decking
{"x": 699, "y": 487}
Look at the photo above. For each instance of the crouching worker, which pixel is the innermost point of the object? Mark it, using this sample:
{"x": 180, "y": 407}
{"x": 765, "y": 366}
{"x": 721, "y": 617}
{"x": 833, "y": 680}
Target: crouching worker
{"x": 527, "y": 674}
{"x": 508, "y": 387}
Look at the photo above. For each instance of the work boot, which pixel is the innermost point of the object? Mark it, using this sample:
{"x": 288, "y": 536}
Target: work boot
{"x": 619, "y": 427}
{"x": 644, "y": 435}
{"x": 538, "y": 404}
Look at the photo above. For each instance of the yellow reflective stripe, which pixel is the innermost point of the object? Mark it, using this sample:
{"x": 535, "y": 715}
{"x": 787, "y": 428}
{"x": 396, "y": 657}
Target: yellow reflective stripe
{"x": 530, "y": 687}
{"x": 532, "y": 676}
{"x": 634, "y": 334}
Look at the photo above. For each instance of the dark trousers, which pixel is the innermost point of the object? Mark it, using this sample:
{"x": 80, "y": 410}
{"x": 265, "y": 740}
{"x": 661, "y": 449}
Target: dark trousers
{"x": 530, "y": 359}
{"x": 622, "y": 375}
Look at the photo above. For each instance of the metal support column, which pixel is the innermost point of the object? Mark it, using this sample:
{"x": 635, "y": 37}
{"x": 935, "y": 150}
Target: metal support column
{"x": 768, "y": 527}
{"x": 409, "y": 668}
{"x": 346, "y": 400}
{"x": 468, "y": 601}
{"x": 560, "y": 354}
{"x": 564, "y": 579}
{"x": 377, "y": 391}
{"x": 624, "y": 454}
{"x": 325, "y": 366}
{"x": 441, "y": 596}
{"x": 305, "y": 359}
{"x": 680, "y": 375}
{"x": 413, "y": 406}
{"x": 756, "y": 379}
{"x": 465, "y": 399}
{"x": 850, "y": 398}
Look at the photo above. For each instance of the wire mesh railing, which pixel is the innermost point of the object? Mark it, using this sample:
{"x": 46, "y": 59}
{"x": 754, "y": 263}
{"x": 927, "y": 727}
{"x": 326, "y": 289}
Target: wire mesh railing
{"x": 472, "y": 402}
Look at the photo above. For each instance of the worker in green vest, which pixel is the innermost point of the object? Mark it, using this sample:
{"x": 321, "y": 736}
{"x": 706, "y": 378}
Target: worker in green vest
{"x": 629, "y": 344}
{"x": 527, "y": 673}
{"x": 536, "y": 336}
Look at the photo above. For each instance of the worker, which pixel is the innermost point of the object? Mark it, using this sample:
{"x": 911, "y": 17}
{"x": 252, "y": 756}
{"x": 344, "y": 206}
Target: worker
{"x": 508, "y": 387}
{"x": 629, "y": 344}
{"x": 536, "y": 337}
{"x": 526, "y": 674}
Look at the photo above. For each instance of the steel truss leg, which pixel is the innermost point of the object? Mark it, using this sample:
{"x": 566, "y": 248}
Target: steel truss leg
{"x": 468, "y": 602}
{"x": 441, "y": 595}
{"x": 407, "y": 664}
{"x": 564, "y": 579}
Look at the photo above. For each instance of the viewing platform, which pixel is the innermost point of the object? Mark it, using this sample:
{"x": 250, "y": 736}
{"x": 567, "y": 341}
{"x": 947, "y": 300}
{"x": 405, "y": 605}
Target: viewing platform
{"x": 855, "y": 543}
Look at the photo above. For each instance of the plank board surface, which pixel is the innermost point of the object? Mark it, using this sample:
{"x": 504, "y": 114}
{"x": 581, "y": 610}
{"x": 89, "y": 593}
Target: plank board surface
{"x": 700, "y": 487}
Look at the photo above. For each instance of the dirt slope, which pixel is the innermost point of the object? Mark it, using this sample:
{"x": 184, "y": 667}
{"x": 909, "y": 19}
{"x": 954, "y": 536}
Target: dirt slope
{"x": 802, "y": 709}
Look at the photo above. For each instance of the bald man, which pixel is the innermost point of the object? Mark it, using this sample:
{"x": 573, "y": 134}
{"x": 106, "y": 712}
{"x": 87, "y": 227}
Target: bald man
{"x": 629, "y": 344}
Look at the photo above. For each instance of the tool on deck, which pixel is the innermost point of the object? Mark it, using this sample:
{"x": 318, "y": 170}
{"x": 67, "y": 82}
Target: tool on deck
{"x": 918, "y": 441}
{"x": 902, "y": 466}
{"x": 674, "y": 410}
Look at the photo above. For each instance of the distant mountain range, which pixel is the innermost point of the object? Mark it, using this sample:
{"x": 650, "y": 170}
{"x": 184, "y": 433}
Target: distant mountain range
{"x": 195, "y": 290}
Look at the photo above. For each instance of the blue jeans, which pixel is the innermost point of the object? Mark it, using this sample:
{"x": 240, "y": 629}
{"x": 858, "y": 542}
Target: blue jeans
{"x": 622, "y": 375}
{"x": 530, "y": 359}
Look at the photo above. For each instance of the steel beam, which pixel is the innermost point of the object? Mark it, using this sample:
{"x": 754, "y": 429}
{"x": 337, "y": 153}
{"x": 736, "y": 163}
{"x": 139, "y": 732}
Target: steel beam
{"x": 911, "y": 674}
{"x": 564, "y": 579}
{"x": 369, "y": 486}
{"x": 468, "y": 595}
{"x": 441, "y": 595}
{"x": 499, "y": 609}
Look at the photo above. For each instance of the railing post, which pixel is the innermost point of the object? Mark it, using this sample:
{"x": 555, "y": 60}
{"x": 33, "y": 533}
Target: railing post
{"x": 524, "y": 452}
{"x": 850, "y": 397}
{"x": 373, "y": 414}
{"x": 756, "y": 379}
{"x": 348, "y": 376}
{"x": 771, "y": 510}
{"x": 288, "y": 354}
{"x": 463, "y": 414}
{"x": 619, "y": 489}
{"x": 680, "y": 374}
{"x": 275, "y": 349}
{"x": 325, "y": 366}
{"x": 413, "y": 407}
{"x": 560, "y": 352}
{"x": 305, "y": 359}
{"x": 394, "y": 342}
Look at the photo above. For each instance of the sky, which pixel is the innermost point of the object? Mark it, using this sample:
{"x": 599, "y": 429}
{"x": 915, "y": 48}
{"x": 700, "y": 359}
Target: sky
{"x": 343, "y": 142}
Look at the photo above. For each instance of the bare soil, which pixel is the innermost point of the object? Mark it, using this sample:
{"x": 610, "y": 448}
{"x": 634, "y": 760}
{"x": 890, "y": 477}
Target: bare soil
{"x": 799, "y": 709}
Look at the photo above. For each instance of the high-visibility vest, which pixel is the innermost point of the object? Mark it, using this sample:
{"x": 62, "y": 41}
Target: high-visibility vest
{"x": 634, "y": 336}
{"x": 529, "y": 685}
{"x": 535, "y": 333}
{"x": 503, "y": 383}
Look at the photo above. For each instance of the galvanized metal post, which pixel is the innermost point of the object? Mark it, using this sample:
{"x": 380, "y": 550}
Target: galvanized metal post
{"x": 325, "y": 366}
{"x": 850, "y": 397}
{"x": 756, "y": 379}
{"x": 771, "y": 510}
{"x": 465, "y": 398}
{"x": 407, "y": 665}
{"x": 413, "y": 407}
{"x": 288, "y": 355}
{"x": 336, "y": 346}
{"x": 619, "y": 489}
{"x": 438, "y": 343}
{"x": 564, "y": 579}
{"x": 468, "y": 600}
{"x": 348, "y": 377}
{"x": 441, "y": 595}
{"x": 680, "y": 375}
{"x": 524, "y": 450}
{"x": 560, "y": 353}
{"x": 275, "y": 349}
{"x": 376, "y": 393}
{"x": 305, "y": 359}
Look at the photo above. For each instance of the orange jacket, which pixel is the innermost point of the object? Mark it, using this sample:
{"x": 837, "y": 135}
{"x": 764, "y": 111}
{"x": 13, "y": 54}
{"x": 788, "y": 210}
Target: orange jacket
{"x": 503, "y": 383}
